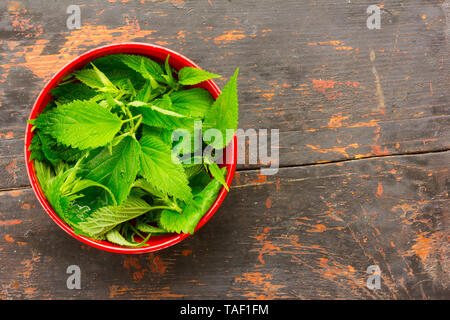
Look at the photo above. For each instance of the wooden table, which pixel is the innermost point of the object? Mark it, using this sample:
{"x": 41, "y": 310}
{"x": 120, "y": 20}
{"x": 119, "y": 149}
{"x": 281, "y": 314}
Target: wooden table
{"x": 364, "y": 150}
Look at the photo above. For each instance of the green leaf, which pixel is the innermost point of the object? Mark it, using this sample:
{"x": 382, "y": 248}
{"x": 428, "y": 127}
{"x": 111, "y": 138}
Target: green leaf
{"x": 95, "y": 79}
{"x": 164, "y": 134}
{"x": 168, "y": 77}
{"x": 186, "y": 222}
{"x": 60, "y": 191}
{"x": 43, "y": 173}
{"x": 192, "y": 170}
{"x": 159, "y": 170}
{"x": 224, "y": 114}
{"x": 159, "y": 113}
{"x": 107, "y": 218}
{"x": 215, "y": 171}
{"x": 148, "y": 187}
{"x": 194, "y": 102}
{"x": 114, "y": 68}
{"x": 199, "y": 181}
{"x": 117, "y": 169}
{"x": 146, "y": 228}
{"x": 84, "y": 184}
{"x": 72, "y": 91}
{"x": 190, "y": 76}
{"x": 80, "y": 124}
{"x": 55, "y": 152}
{"x": 148, "y": 68}
{"x": 35, "y": 149}
{"x": 115, "y": 237}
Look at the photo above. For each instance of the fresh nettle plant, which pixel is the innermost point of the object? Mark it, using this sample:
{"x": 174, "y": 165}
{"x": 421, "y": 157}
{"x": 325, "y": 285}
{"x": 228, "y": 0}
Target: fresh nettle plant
{"x": 103, "y": 147}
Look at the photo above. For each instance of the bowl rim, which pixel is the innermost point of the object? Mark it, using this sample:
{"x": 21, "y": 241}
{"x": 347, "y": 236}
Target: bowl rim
{"x": 44, "y": 96}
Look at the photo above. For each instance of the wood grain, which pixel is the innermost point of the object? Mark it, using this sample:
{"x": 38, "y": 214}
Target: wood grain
{"x": 309, "y": 232}
{"x": 364, "y": 122}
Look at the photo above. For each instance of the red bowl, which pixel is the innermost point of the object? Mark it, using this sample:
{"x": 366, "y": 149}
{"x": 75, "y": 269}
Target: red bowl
{"x": 155, "y": 52}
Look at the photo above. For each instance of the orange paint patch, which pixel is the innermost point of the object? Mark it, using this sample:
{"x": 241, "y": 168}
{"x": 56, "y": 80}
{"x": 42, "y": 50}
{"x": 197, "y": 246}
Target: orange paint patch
{"x": 341, "y": 150}
{"x": 424, "y": 245}
{"x": 9, "y": 238}
{"x": 321, "y": 85}
{"x": 262, "y": 282}
{"x": 116, "y": 291}
{"x": 343, "y": 48}
{"x": 21, "y": 22}
{"x": 379, "y": 189}
{"x": 268, "y": 203}
{"x": 261, "y": 179}
{"x": 267, "y": 246}
{"x": 186, "y": 252}
{"x": 10, "y": 222}
{"x": 268, "y": 96}
{"x": 30, "y": 292}
{"x": 332, "y": 42}
{"x": 90, "y": 35}
{"x": 6, "y": 136}
{"x": 181, "y": 34}
{"x": 336, "y": 121}
{"x": 318, "y": 228}
{"x": 12, "y": 168}
{"x": 229, "y": 36}
{"x": 156, "y": 264}
{"x": 26, "y": 206}
{"x": 131, "y": 262}
{"x": 15, "y": 193}
{"x": 29, "y": 264}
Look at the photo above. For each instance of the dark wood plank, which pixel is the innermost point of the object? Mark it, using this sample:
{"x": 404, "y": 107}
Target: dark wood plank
{"x": 309, "y": 232}
{"x": 313, "y": 70}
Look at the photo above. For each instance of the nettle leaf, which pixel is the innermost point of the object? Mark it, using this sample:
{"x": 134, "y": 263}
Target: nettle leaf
{"x": 114, "y": 236}
{"x": 148, "y": 187}
{"x": 116, "y": 168}
{"x": 160, "y": 170}
{"x": 164, "y": 134}
{"x": 149, "y": 91}
{"x": 80, "y": 124}
{"x": 224, "y": 114}
{"x": 192, "y": 170}
{"x": 55, "y": 152}
{"x": 43, "y": 173}
{"x": 193, "y": 102}
{"x": 190, "y": 76}
{"x": 170, "y": 80}
{"x": 147, "y": 228}
{"x": 193, "y": 212}
{"x": 107, "y": 218}
{"x": 159, "y": 113}
{"x": 35, "y": 149}
{"x": 72, "y": 91}
{"x": 83, "y": 184}
{"x": 215, "y": 171}
{"x": 61, "y": 191}
{"x": 199, "y": 181}
{"x": 113, "y": 67}
{"x": 148, "y": 68}
{"x": 95, "y": 79}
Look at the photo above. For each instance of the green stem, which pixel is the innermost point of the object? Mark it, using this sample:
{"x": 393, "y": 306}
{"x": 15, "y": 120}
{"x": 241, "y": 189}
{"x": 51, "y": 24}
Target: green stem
{"x": 144, "y": 241}
{"x": 161, "y": 208}
{"x": 136, "y": 231}
{"x": 137, "y": 125}
{"x": 131, "y": 119}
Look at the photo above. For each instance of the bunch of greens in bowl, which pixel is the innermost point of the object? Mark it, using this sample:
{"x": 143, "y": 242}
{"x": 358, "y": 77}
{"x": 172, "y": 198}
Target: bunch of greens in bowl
{"x": 103, "y": 148}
